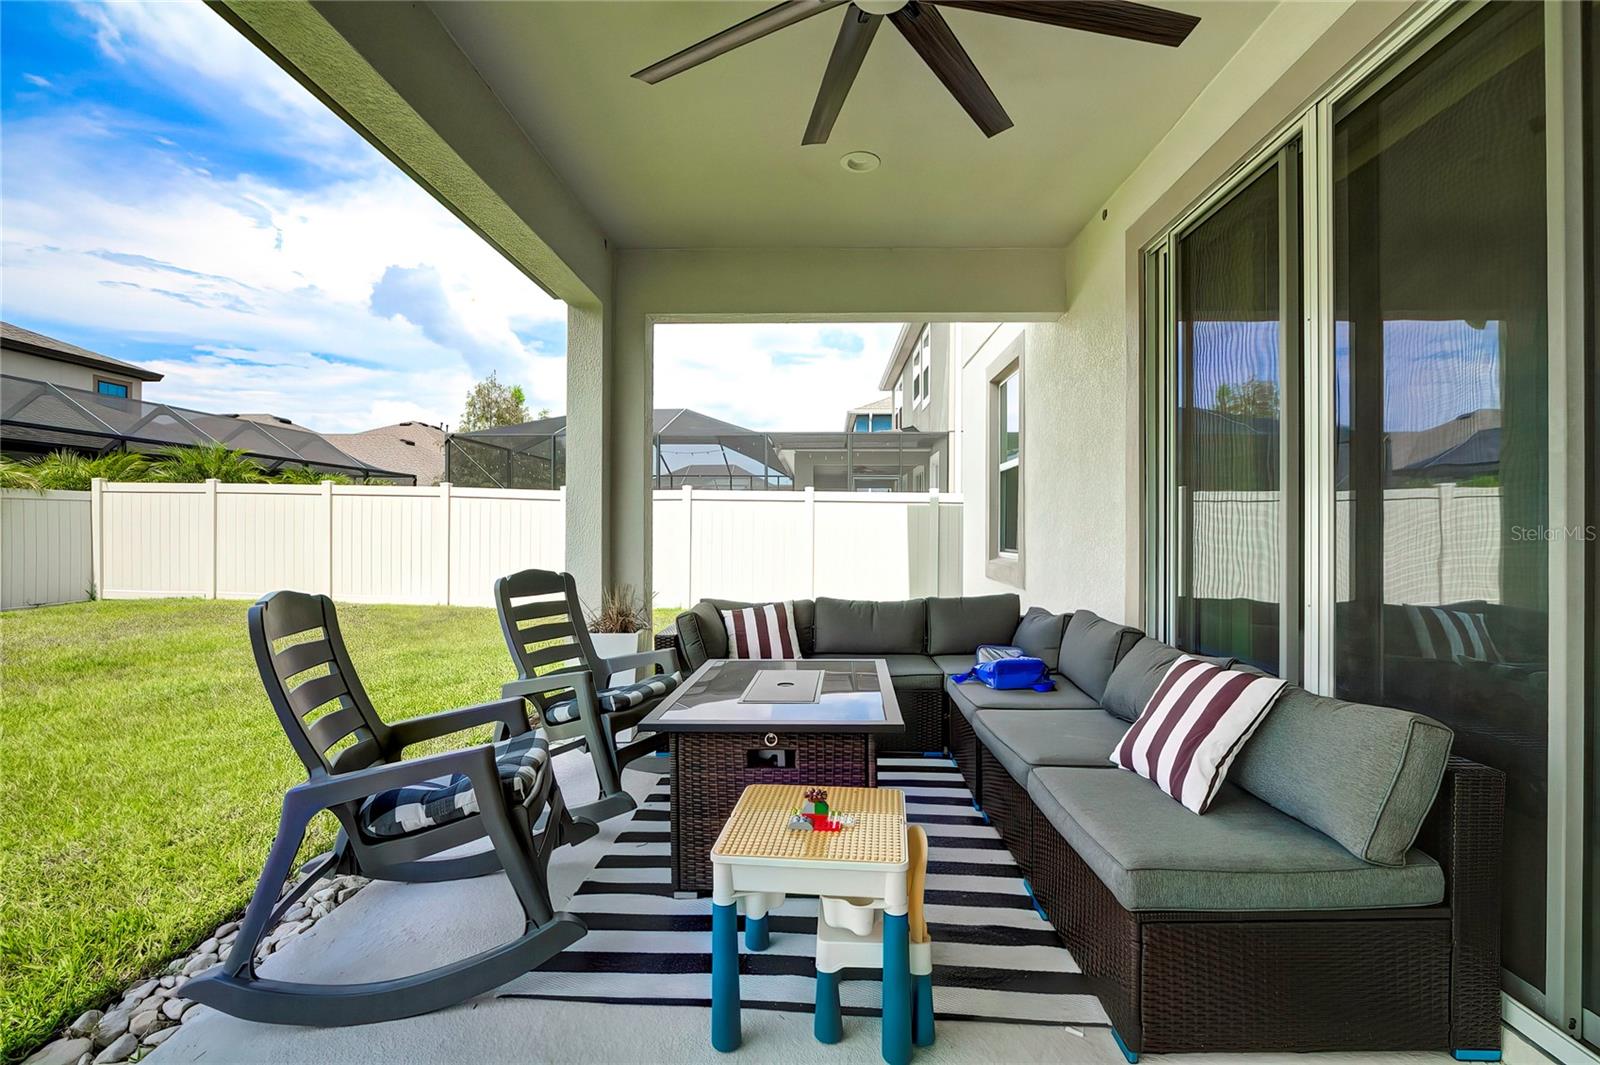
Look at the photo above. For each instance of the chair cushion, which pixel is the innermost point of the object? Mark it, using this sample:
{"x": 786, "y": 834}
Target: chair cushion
{"x": 520, "y": 760}
{"x": 861, "y": 627}
{"x": 1243, "y": 855}
{"x": 701, "y": 636}
{"x": 907, "y": 672}
{"x": 950, "y": 665}
{"x": 766, "y": 630}
{"x": 1024, "y": 739}
{"x": 1141, "y": 669}
{"x": 971, "y": 697}
{"x": 615, "y": 700}
{"x": 1039, "y": 634}
{"x": 1365, "y": 775}
{"x": 961, "y": 623}
{"x": 1451, "y": 634}
{"x": 1091, "y": 649}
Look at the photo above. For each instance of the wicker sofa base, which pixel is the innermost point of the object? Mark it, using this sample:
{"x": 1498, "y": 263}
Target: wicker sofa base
{"x": 1008, "y": 806}
{"x": 1397, "y": 979}
{"x": 964, "y": 746}
{"x": 923, "y": 712}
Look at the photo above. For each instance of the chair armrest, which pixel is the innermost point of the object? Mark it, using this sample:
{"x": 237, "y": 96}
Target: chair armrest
{"x": 320, "y": 793}
{"x": 665, "y": 660}
{"x": 505, "y": 711}
{"x": 578, "y": 681}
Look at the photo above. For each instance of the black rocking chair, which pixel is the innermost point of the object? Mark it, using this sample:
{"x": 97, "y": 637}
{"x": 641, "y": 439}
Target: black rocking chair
{"x": 393, "y": 814}
{"x": 569, "y": 686}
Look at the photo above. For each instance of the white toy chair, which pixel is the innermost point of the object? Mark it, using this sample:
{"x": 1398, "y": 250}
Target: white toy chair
{"x": 850, "y": 936}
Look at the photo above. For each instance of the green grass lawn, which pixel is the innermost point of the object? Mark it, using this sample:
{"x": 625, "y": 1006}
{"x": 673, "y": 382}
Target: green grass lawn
{"x": 143, "y": 769}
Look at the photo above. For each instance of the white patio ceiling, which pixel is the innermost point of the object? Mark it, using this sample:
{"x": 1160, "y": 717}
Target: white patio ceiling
{"x": 712, "y": 157}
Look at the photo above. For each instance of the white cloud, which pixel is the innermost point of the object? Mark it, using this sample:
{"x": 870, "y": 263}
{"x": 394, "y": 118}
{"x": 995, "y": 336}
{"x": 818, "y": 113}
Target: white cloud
{"x": 771, "y": 376}
{"x": 113, "y": 230}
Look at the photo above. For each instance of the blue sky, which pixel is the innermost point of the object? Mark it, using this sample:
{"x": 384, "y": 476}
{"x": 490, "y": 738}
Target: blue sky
{"x": 169, "y": 196}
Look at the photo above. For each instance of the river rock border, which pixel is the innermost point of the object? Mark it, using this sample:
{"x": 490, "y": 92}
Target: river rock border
{"x": 149, "y": 1014}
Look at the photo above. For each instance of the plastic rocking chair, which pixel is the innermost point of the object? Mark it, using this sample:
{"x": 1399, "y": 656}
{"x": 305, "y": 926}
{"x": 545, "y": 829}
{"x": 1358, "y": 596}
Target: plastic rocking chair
{"x": 568, "y": 686}
{"x": 394, "y": 814}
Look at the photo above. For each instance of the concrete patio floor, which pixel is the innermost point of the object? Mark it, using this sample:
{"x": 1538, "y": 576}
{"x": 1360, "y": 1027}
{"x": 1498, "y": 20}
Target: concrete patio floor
{"x": 394, "y": 929}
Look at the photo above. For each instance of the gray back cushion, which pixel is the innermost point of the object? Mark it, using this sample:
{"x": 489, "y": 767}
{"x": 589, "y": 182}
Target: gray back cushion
{"x": 702, "y": 636}
{"x": 1365, "y": 775}
{"x": 1139, "y": 674}
{"x": 851, "y": 626}
{"x": 1039, "y": 634}
{"x": 1091, "y": 649}
{"x": 959, "y": 624}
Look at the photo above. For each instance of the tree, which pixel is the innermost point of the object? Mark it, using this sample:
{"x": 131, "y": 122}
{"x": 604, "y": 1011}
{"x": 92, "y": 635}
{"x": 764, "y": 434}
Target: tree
{"x": 491, "y": 404}
{"x": 1253, "y": 399}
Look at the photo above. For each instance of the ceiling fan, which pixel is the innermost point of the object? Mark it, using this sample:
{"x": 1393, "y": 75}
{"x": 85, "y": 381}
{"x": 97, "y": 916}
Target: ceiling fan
{"x": 920, "y": 23}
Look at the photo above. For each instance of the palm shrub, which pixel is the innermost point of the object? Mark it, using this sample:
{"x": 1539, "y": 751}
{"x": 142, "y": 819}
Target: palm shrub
{"x": 205, "y": 462}
{"x": 63, "y": 470}
{"x": 308, "y": 475}
{"x": 14, "y": 474}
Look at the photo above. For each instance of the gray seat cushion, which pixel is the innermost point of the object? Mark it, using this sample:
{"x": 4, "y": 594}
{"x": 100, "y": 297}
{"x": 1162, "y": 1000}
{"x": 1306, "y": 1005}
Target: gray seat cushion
{"x": 950, "y": 665}
{"x": 1091, "y": 649}
{"x": 1365, "y": 775}
{"x": 971, "y": 697}
{"x": 862, "y": 627}
{"x": 1242, "y": 855}
{"x": 962, "y": 623}
{"x": 909, "y": 672}
{"x": 1024, "y": 739}
{"x": 1139, "y": 674}
{"x": 1039, "y": 634}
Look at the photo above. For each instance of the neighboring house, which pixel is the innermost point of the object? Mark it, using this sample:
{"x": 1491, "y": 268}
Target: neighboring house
{"x": 24, "y": 353}
{"x": 920, "y": 377}
{"x": 874, "y": 417}
{"x": 695, "y": 449}
{"x": 416, "y": 448}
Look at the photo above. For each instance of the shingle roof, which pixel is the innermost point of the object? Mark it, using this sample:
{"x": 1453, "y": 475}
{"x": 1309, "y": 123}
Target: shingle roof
{"x": 26, "y": 340}
{"x": 416, "y": 448}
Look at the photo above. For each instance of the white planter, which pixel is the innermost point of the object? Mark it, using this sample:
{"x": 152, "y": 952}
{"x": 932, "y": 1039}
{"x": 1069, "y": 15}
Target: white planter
{"x": 614, "y": 645}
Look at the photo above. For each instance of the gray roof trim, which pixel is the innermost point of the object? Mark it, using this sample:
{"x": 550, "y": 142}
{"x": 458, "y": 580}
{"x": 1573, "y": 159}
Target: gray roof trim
{"x": 30, "y": 343}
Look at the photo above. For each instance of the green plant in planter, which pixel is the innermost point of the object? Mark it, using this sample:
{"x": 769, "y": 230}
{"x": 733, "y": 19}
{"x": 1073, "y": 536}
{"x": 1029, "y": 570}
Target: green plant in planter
{"x": 622, "y": 610}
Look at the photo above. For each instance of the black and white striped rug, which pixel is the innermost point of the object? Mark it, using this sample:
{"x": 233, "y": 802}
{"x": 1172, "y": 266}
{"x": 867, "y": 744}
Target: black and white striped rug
{"x": 995, "y": 958}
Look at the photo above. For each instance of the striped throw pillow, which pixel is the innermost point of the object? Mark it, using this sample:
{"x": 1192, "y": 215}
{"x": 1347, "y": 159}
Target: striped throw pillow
{"x": 1194, "y": 726}
{"x": 763, "y": 631}
{"x": 1447, "y": 634}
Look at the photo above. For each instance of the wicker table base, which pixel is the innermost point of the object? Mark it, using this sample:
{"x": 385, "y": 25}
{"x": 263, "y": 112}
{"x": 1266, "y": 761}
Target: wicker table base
{"x": 712, "y": 769}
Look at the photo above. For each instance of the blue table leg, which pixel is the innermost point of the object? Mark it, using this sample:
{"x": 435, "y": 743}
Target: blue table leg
{"x": 725, "y": 977}
{"x": 827, "y": 1024}
{"x": 922, "y": 1011}
{"x": 756, "y": 936}
{"x": 896, "y": 989}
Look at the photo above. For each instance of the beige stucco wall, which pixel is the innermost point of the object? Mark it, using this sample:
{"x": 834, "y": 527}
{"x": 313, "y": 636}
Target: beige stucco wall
{"x": 71, "y": 375}
{"x": 1082, "y": 436}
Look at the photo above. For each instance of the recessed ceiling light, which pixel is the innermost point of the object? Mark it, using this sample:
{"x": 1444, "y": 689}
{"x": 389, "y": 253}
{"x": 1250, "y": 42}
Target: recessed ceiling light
{"x": 859, "y": 162}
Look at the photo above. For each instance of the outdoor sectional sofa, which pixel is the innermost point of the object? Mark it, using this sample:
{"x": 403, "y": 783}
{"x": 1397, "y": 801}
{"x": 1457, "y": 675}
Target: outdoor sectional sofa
{"x": 1341, "y": 893}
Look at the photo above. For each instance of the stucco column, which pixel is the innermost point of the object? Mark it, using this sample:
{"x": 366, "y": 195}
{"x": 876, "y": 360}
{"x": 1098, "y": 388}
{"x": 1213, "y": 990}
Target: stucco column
{"x": 608, "y": 452}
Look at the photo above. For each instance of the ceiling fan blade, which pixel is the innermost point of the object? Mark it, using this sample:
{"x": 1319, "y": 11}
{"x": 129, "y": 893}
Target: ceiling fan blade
{"x": 751, "y": 29}
{"x": 928, "y": 32}
{"x": 1115, "y": 18}
{"x": 849, "y": 49}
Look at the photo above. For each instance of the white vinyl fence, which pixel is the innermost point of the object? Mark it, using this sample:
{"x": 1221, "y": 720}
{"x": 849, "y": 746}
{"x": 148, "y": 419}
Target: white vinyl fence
{"x": 386, "y": 544}
{"x": 44, "y": 548}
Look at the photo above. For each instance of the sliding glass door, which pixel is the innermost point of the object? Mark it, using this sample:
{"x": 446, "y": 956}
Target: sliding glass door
{"x": 1372, "y": 421}
{"x": 1237, "y": 358}
{"x": 1441, "y": 417}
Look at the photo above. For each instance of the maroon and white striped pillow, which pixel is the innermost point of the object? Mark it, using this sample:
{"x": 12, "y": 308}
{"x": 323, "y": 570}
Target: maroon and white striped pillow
{"x": 1193, "y": 726}
{"x": 765, "y": 631}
